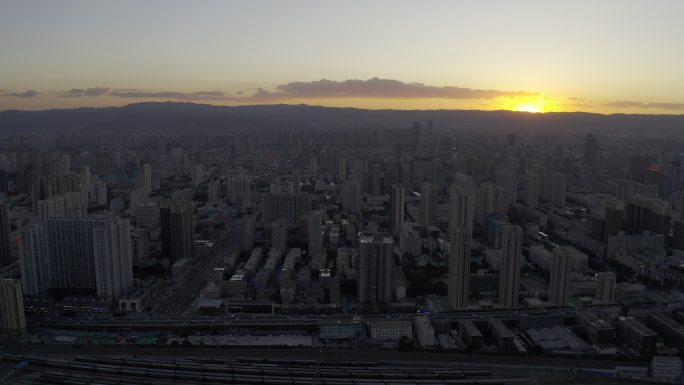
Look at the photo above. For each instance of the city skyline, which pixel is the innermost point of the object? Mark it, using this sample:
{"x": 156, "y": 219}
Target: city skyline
{"x": 608, "y": 57}
{"x": 388, "y": 192}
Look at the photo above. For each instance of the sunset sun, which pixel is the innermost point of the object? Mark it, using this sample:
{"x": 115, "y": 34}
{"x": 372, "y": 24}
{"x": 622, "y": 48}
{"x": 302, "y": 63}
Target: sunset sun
{"x": 532, "y": 104}
{"x": 529, "y": 107}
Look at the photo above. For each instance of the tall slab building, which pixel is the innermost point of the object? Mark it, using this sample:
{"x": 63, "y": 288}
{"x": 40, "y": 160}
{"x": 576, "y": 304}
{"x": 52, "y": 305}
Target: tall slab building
{"x": 376, "y": 265}
{"x": 511, "y": 262}
{"x": 459, "y": 267}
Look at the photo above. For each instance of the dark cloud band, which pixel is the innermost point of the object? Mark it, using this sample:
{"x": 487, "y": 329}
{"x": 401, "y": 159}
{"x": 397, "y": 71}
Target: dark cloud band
{"x": 79, "y": 92}
{"x": 643, "y": 105}
{"x": 378, "y": 88}
{"x": 25, "y": 94}
{"x": 199, "y": 95}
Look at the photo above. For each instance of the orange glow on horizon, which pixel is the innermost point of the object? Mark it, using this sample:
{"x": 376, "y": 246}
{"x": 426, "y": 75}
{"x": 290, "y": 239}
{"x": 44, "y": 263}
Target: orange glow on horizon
{"x": 526, "y": 104}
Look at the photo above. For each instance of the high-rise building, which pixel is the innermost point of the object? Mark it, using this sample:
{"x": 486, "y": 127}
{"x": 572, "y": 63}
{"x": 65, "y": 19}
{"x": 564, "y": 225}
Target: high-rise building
{"x": 84, "y": 173}
{"x": 405, "y": 174}
{"x": 375, "y": 180}
{"x": 5, "y": 236}
{"x": 342, "y": 168}
{"x": 53, "y": 207}
{"x": 213, "y": 191}
{"x": 357, "y": 170}
{"x": 315, "y": 235}
{"x": 4, "y": 181}
{"x": 37, "y": 272}
{"x": 461, "y": 207}
{"x": 491, "y": 200}
{"x": 560, "y": 277}
{"x": 238, "y": 184}
{"x": 507, "y": 179}
{"x": 605, "y": 287}
{"x": 625, "y": 188}
{"x": 590, "y": 153}
{"x": 279, "y": 235}
{"x": 244, "y": 227}
{"x": 90, "y": 254}
{"x": 350, "y": 196}
{"x": 26, "y": 179}
{"x": 145, "y": 178}
{"x": 84, "y": 194}
{"x": 428, "y": 204}
{"x": 313, "y": 164}
{"x": 67, "y": 205}
{"x": 531, "y": 190}
{"x": 459, "y": 266}
{"x": 463, "y": 180}
{"x": 137, "y": 196}
{"x": 113, "y": 258}
{"x": 678, "y": 234}
{"x": 666, "y": 369}
{"x": 553, "y": 188}
{"x": 677, "y": 196}
{"x": 197, "y": 174}
{"x": 643, "y": 213}
{"x": 177, "y": 231}
{"x": 41, "y": 189}
{"x": 99, "y": 193}
{"x": 607, "y": 219}
{"x": 510, "y": 140}
{"x": 424, "y": 169}
{"x": 416, "y": 135}
{"x": 283, "y": 187}
{"x": 291, "y": 206}
{"x": 12, "y": 320}
{"x": 397, "y": 203}
{"x": 147, "y": 214}
{"x": 511, "y": 262}
{"x": 161, "y": 146}
{"x": 376, "y": 265}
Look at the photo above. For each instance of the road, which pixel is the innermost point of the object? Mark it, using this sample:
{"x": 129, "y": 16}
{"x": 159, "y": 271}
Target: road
{"x": 185, "y": 295}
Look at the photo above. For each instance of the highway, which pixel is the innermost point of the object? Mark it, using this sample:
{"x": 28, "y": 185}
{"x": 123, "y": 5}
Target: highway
{"x": 164, "y": 324}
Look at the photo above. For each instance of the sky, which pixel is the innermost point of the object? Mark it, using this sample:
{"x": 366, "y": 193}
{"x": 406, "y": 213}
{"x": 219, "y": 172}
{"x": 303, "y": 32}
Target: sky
{"x": 605, "y": 56}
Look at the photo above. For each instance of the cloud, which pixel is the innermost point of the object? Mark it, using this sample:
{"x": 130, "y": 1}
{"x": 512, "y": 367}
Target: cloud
{"x": 644, "y": 105}
{"x": 318, "y": 89}
{"x": 25, "y": 94}
{"x": 79, "y": 92}
{"x": 378, "y": 88}
{"x": 199, "y": 95}
{"x": 210, "y": 94}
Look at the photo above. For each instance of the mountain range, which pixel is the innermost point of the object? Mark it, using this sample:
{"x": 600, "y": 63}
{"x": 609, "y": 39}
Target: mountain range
{"x": 178, "y": 117}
